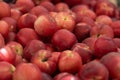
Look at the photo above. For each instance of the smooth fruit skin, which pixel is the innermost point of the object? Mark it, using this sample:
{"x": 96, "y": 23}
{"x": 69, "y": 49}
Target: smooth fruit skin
{"x": 38, "y": 10}
{"x": 2, "y": 41}
{"x": 69, "y": 61}
{"x": 82, "y": 31}
{"x": 15, "y": 13}
{"x": 7, "y": 54}
{"x": 63, "y": 39}
{"x": 84, "y": 51}
{"x": 86, "y": 12}
{"x": 46, "y": 76}
{"x": 32, "y": 47}
{"x": 24, "y": 5}
{"x": 4, "y": 9}
{"x": 116, "y": 26}
{"x": 42, "y": 59}
{"x": 6, "y": 70}
{"x": 48, "y": 5}
{"x": 90, "y": 41}
{"x": 104, "y": 8}
{"x": 4, "y": 30}
{"x": 65, "y": 20}
{"x": 117, "y": 41}
{"x": 17, "y": 47}
{"x": 45, "y": 25}
{"x": 104, "y": 19}
{"x": 11, "y": 37}
{"x": 104, "y": 45}
{"x": 93, "y": 70}
{"x": 101, "y": 29}
{"x": 61, "y": 75}
{"x": 61, "y": 7}
{"x": 24, "y": 38}
{"x": 78, "y": 8}
{"x": 27, "y": 71}
{"x": 26, "y": 21}
{"x": 12, "y": 23}
{"x": 112, "y": 63}
{"x": 70, "y": 77}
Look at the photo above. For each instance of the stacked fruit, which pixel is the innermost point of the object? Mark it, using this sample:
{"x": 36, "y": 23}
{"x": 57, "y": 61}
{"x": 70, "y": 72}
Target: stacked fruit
{"x": 59, "y": 40}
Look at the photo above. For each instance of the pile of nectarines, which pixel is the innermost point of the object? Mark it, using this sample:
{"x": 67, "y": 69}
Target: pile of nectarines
{"x": 59, "y": 40}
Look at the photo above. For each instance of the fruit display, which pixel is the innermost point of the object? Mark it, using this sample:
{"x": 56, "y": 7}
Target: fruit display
{"x": 59, "y": 40}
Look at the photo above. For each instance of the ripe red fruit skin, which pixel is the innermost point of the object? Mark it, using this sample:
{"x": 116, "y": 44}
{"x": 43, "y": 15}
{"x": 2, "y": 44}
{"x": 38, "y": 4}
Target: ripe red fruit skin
{"x": 4, "y": 9}
{"x": 11, "y": 37}
{"x": 104, "y": 8}
{"x": 6, "y": 70}
{"x": 93, "y": 70}
{"x": 116, "y": 26}
{"x": 24, "y": 38}
{"x": 15, "y": 13}
{"x": 99, "y": 30}
{"x": 38, "y": 10}
{"x": 86, "y": 12}
{"x": 82, "y": 31}
{"x": 69, "y": 61}
{"x": 112, "y": 63}
{"x": 43, "y": 61}
{"x": 61, "y": 7}
{"x": 12, "y": 23}
{"x": 32, "y": 47}
{"x": 48, "y": 5}
{"x": 65, "y": 20}
{"x": 78, "y": 8}
{"x": 72, "y": 2}
{"x": 69, "y": 77}
{"x": 90, "y": 41}
{"x": 26, "y": 21}
{"x": 17, "y": 47}
{"x": 55, "y": 56}
{"x": 37, "y": 2}
{"x": 24, "y": 5}
{"x": 117, "y": 41}
{"x": 4, "y": 28}
{"x": 86, "y": 20}
{"x": 27, "y": 71}
{"x": 63, "y": 39}
{"x": 104, "y": 45}
{"x": 46, "y": 76}
{"x": 19, "y": 59}
{"x": 103, "y": 19}
{"x": 45, "y": 25}
{"x": 2, "y": 41}
{"x": 7, "y": 54}
{"x": 84, "y": 51}
{"x": 61, "y": 75}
